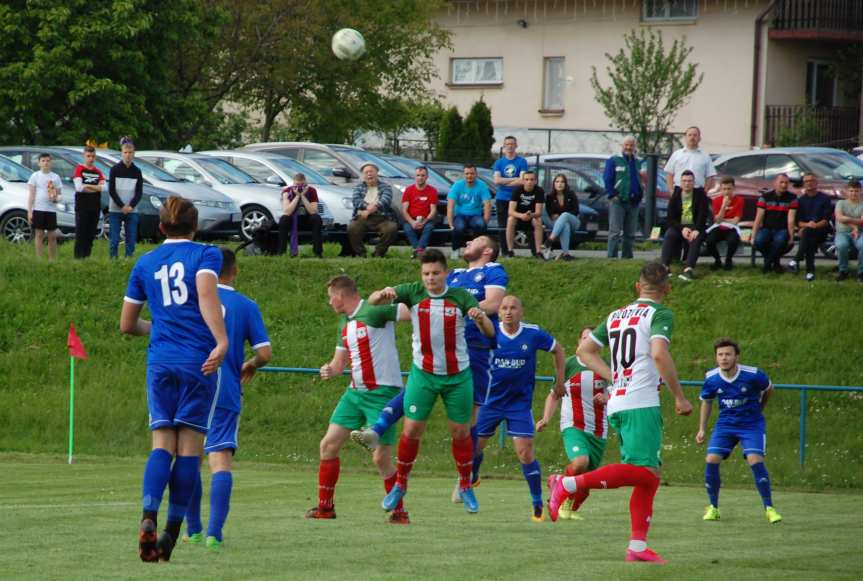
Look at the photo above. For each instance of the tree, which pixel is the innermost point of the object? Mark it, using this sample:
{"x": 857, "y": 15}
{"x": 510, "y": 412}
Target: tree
{"x": 648, "y": 86}
{"x": 327, "y": 99}
{"x": 478, "y": 136}
{"x": 449, "y": 145}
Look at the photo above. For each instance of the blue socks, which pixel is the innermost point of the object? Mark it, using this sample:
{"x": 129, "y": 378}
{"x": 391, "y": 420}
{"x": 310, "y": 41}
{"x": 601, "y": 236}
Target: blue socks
{"x": 157, "y": 472}
{"x": 477, "y": 455}
{"x": 712, "y": 482}
{"x": 193, "y": 513}
{"x": 184, "y": 478}
{"x": 220, "y": 503}
{"x": 391, "y": 414}
{"x": 533, "y": 475}
{"x": 762, "y": 483}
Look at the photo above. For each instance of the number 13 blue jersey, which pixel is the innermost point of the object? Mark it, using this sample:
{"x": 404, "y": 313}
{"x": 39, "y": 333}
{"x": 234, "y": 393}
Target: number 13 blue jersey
{"x": 165, "y": 279}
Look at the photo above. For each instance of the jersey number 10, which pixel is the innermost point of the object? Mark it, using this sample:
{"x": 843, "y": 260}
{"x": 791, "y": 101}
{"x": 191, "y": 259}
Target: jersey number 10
{"x": 172, "y": 277}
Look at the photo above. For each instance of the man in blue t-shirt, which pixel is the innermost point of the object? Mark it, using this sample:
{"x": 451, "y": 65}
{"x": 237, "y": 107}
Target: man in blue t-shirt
{"x": 742, "y": 392}
{"x": 508, "y": 172}
{"x": 510, "y": 398}
{"x": 468, "y": 207}
{"x": 244, "y": 324}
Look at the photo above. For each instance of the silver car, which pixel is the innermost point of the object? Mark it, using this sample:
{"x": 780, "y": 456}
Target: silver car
{"x": 279, "y": 170}
{"x": 259, "y": 203}
{"x": 340, "y": 164}
{"x": 14, "y": 226}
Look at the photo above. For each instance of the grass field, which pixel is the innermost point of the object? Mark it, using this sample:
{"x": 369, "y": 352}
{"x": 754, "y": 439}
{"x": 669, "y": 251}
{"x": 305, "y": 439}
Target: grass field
{"x": 792, "y": 329}
{"x": 79, "y": 522}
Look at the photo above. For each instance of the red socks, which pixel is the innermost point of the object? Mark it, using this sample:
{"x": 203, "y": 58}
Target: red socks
{"x": 328, "y": 475}
{"x": 615, "y": 476}
{"x": 462, "y": 452}
{"x": 578, "y": 498}
{"x": 405, "y": 457}
{"x": 642, "y": 479}
{"x": 388, "y": 485}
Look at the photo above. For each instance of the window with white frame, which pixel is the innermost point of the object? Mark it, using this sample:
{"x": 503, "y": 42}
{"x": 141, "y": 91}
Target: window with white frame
{"x": 670, "y": 9}
{"x": 553, "y": 83}
{"x": 476, "y": 71}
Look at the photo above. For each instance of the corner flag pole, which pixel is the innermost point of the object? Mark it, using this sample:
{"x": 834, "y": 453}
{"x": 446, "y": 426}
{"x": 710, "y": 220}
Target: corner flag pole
{"x": 71, "y": 406}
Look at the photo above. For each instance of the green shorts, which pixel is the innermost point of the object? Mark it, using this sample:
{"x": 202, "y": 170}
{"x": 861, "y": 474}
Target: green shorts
{"x": 640, "y": 432}
{"x": 423, "y": 388}
{"x": 579, "y": 443}
{"x": 360, "y": 409}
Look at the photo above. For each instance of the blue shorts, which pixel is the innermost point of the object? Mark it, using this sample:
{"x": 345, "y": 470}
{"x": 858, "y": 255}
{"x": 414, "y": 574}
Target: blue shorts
{"x": 723, "y": 439}
{"x": 480, "y": 366}
{"x": 180, "y": 395}
{"x": 223, "y": 431}
{"x": 519, "y": 423}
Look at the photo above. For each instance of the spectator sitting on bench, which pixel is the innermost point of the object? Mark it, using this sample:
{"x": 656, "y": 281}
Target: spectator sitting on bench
{"x": 419, "y": 208}
{"x": 688, "y": 214}
{"x": 300, "y": 212}
{"x": 561, "y": 216}
{"x": 525, "y": 213}
{"x": 773, "y": 230}
{"x": 372, "y": 211}
{"x": 814, "y": 209}
{"x": 727, "y": 212}
{"x": 468, "y": 207}
{"x": 849, "y": 219}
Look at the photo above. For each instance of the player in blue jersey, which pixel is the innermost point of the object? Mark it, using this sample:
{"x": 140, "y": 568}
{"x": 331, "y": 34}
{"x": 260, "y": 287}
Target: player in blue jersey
{"x": 188, "y": 342}
{"x": 510, "y": 396}
{"x": 244, "y": 324}
{"x": 742, "y": 393}
{"x": 486, "y": 280}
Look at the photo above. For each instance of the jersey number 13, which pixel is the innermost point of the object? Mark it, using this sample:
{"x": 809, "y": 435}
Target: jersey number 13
{"x": 174, "y": 289}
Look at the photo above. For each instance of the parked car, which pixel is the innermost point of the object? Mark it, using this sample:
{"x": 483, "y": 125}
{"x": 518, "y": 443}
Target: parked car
{"x": 340, "y": 164}
{"x": 279, "y": 170}
{"x": 754, "y": 171}
{"x": 455, "y": 171}
{"x": 259, "y": 203}
{"x": 218, "y": 215}
{"x": 14, "y": 226}
{"x": 593, "y": 164}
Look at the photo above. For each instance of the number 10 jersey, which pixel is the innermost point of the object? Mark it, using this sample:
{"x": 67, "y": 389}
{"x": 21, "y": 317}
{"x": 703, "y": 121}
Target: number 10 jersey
{"x": 628, "y": 332}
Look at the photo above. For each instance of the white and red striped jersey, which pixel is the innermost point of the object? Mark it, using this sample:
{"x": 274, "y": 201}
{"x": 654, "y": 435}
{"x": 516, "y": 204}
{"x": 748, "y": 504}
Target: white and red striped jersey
{"x": 368, "y": 334}
{"x": 577, "y": 408}
{"x": 439, "y": 345}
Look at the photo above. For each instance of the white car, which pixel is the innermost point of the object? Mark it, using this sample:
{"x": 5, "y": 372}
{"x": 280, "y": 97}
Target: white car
{"x": 258, "y": 202}
{"x": 14, "y": 226}
{"x": 279, "y": 170}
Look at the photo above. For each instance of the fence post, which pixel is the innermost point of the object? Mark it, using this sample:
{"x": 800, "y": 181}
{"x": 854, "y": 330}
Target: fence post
{"x": 803, "y": 413}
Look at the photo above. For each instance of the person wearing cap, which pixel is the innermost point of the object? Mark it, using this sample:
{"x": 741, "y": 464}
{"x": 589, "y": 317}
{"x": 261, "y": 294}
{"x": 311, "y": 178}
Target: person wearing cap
{"x": 373, "y": 210}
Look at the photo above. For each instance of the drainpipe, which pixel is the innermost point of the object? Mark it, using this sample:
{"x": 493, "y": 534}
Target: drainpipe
{"x": 756, "y": 72}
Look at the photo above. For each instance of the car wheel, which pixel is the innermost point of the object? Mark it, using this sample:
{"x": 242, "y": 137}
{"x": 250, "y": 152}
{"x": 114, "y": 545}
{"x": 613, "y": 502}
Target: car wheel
{"x": 253, "y": 219}
{"x": 15, "y": 228}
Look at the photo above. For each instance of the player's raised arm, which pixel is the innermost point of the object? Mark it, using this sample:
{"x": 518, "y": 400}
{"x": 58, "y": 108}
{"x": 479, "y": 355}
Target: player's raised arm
{"x": 559, "y": 369}
{"x": 383, "y": 296}
{"x": 493, "y": 297}
{"x": 482, "y": 321}
{"x": 590, "y": 353}
{"x": 703, "y": 418}
{"x": 668, "y": 371}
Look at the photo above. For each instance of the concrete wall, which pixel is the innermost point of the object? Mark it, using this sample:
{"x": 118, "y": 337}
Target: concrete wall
{"x": 582, "y": 31}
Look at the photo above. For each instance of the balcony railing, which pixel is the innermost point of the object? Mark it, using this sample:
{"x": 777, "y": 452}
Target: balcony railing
{"x": 818, "y": 19}
{"x": 806, "y": 125}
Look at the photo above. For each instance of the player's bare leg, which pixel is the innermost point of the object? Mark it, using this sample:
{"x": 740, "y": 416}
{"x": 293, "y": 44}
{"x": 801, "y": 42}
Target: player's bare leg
{"x": 52, "y": 245}
{"x": 38, "y": 240}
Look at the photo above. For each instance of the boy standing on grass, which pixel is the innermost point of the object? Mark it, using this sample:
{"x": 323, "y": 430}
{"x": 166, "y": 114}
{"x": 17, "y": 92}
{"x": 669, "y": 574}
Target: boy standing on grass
{"x": 243, "y": 323}
{"x": 742, "y": 392}
{"x": 638, "y": 335}
{"x": 45, "y": 189}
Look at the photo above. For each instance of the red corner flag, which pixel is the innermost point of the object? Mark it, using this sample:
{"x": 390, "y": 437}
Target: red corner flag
{"x": 76, "y": 347}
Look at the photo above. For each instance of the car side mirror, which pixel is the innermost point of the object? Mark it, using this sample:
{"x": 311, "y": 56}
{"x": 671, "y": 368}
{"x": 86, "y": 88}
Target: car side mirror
{"x": 342, "y": 172}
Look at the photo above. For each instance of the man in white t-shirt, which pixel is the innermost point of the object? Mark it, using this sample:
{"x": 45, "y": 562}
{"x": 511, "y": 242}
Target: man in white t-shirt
{"x": 45, "y": 189}
{"x": 693, "y": 159}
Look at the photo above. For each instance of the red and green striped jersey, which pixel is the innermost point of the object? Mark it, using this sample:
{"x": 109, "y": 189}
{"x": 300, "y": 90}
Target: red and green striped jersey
{"x": 368, "y": 334}
{"x": 439, "y": 345}
{"x": 577, "y": 408}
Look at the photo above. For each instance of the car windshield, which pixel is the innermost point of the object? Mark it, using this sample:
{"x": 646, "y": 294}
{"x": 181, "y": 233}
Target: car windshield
{"x": 409, "y": 167}
{"x": 224, "y": 172}
{"x": 12, "y": 172}
{"x": 833, "y": 166}
{"x": 359, "y": 157}
{"x": 154, "y": 172}
{"x": 292, "y": 166}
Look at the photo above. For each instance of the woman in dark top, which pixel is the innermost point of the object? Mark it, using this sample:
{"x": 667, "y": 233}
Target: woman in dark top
{"x": 561, "y": 206}
{"x": 687, "y": 221}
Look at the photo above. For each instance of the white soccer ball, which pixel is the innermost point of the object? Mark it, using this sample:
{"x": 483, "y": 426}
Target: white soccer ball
{"x": 348, "y": 44}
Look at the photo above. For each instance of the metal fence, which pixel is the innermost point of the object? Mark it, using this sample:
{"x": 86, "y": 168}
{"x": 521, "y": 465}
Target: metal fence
{"x": 803, "y": 389}
{"x": 826, "y": 126}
